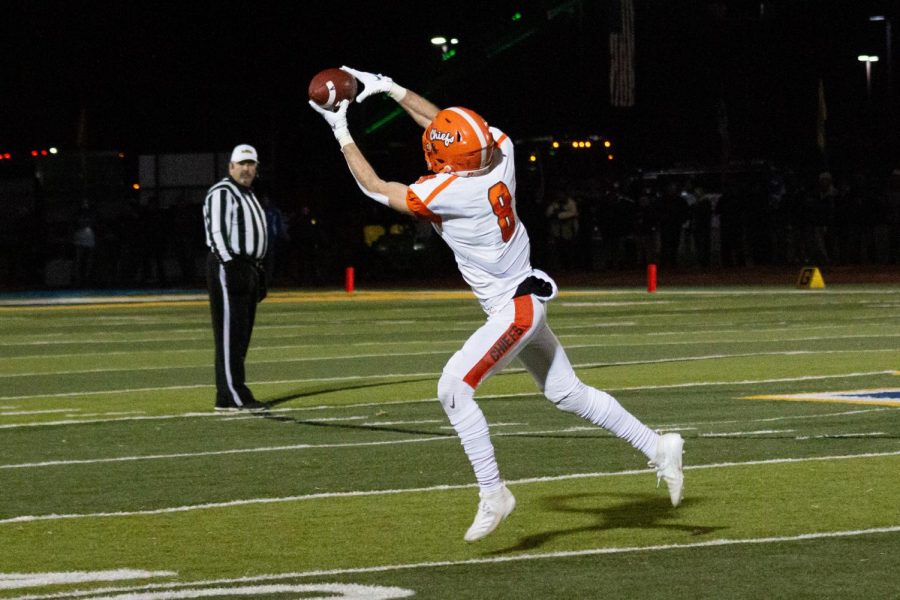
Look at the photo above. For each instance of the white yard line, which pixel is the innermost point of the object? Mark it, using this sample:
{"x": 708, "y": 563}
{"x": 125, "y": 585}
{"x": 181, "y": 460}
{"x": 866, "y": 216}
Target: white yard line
{"x": 6, "y": 412}
{"x": 419, "y": 422}
{"x": 443, "y": 564}
{"x": 561, "y": 324}
{"x": 751, "y": 381}
{"x": 261, "y": 347}
{"x": 743, "y": 433}
{"x": 486, "y": 397}
{"x": 672, "y": 359}
{"x": 436, "y": 488}
{"x": 12, "y": 581}
{"x": 828, "y": 436}
{"x": 845, "y": 413}
{"x": 336, "y": 357}
{"x": 183, "y": 455}
{"x": 293, "y": 447}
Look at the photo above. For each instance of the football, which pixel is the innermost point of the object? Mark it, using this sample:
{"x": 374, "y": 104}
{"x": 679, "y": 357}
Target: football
{"x": 331, "y": 86}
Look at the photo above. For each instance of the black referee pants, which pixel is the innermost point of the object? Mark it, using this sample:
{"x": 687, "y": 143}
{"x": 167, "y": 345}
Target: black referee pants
{"x": 232, "y": 303}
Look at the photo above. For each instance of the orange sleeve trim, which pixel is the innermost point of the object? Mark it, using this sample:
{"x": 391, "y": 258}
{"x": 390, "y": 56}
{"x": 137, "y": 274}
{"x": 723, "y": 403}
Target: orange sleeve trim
{"x": 501, "y": 140}
{"x": 418, "y": 208}
{"x": 508, "y": 340}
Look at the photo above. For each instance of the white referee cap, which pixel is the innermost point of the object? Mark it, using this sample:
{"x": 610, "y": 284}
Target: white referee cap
{"x": 244, "y": 152}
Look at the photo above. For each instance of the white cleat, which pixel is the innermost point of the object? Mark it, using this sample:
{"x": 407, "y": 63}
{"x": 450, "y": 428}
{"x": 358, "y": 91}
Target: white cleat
{"x": 493, "y": 508}
{"x": 668, "y": 466}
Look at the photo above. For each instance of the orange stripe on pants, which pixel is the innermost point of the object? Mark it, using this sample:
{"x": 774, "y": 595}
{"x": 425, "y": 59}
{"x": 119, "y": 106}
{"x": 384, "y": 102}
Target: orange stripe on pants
{"x": 522, "y": 322}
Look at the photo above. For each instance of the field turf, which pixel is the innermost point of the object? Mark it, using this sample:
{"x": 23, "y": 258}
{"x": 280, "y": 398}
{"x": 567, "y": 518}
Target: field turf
{"x": 117, "y": 480}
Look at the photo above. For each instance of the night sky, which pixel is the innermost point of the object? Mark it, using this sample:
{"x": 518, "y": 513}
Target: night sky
{"x": 199, "y": 76}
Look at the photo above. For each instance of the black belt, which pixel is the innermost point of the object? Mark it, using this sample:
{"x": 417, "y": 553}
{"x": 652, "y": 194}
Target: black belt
{"x": 534, "y": 285}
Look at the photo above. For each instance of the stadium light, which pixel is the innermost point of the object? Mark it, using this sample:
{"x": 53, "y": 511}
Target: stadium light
{"x": 444, "y": 45}
{"x": 888, "y": 53}
{"x": 868, "y": 60}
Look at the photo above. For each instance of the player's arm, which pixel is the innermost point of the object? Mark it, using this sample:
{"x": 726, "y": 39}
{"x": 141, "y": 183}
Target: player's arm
{"x": 389, "y": 193}
{"x": 421, "y": 110}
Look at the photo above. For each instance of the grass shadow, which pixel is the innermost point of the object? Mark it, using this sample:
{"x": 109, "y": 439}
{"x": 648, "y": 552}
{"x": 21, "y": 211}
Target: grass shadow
{"x": 340, "y": 388}
{"x": 350, "y": 426}
{"x": 638, "y": 512}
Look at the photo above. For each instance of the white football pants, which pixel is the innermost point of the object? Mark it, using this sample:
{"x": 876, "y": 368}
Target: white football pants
{"x": 520, "y": 330}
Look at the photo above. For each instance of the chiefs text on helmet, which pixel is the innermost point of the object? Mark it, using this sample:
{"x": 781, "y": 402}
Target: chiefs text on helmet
{"x": 457, "y": 141}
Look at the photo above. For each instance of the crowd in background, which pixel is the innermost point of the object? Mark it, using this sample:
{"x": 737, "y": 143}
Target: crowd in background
{"x": 704, "y": 220}
{"x": 676, "y": 219}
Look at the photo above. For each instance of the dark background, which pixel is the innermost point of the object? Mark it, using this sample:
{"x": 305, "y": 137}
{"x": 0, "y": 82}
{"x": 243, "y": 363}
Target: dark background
{"x": 142, "y": 77}
{"x": 201, "y": 76}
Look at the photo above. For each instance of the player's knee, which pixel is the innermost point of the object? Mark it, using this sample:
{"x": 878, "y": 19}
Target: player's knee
{"x": 560, "y": 389}
{"x": 455, "y": 395}
{"x": 570, "y": 399}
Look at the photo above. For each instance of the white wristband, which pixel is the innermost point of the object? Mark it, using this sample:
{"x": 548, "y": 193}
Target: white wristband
{"x": 397, "y": 92}
{"x": 343, "y": 137}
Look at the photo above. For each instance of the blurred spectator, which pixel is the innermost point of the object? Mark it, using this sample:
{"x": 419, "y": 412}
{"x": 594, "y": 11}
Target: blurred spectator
{"x": 278, "y": 236}
{"x": 84, "y": 238}
{"x": 893, "y": 218}
{"x": 779, "y": 231}
{"x": 848, "y": 224}
{"x": 824, "y": 216}
{"x": 153, "y": 229}
{"x": 816, "y": 215}
{"x": 758, "y": 215}
{"x": 187, "y": 237}
{"x": 701, "y": 226}
{"x": 646, "y": 225}
{"x": 563, "y": 226}
{"x": 731, "y": 214}
{"x": 622, "y": 228}
{"x": 306, "y": 242}
{"x": 673, "y": 215}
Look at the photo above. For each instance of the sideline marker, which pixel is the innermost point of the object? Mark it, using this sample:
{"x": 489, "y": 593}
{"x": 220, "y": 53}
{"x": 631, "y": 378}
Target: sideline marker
{"x": 811, "y": 279}
{"x": 651, "y": 278}
{"x": 348, "y": 280}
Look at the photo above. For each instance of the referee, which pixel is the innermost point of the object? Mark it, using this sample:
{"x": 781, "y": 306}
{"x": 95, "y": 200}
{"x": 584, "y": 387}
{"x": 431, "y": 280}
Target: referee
{"x": 236, "y": 235}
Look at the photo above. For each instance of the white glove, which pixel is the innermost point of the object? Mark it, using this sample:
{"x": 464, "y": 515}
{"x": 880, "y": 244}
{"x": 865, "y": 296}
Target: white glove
{"x": 376, "y": 84}
{"x": 337, "y": 120}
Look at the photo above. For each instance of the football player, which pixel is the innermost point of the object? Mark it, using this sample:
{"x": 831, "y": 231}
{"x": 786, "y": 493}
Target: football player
{"x": 469, "y": 198}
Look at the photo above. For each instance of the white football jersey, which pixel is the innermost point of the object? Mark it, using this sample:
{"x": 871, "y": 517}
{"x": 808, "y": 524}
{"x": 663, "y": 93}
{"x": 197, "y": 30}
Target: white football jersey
{"x": 477, "y": 218}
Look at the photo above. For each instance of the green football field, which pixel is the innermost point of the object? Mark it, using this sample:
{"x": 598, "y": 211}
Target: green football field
{"x": 118, "y": 480}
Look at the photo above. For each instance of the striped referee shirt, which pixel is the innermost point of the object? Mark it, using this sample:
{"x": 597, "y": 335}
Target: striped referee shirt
{"x": 235, "y": 222}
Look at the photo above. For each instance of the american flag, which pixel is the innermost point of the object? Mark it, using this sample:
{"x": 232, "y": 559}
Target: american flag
{"x": 621, "y": 53}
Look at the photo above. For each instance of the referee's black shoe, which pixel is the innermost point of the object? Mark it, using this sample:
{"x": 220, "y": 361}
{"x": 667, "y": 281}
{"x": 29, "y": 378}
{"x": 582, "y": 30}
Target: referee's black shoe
{"x": 251, "y": 406}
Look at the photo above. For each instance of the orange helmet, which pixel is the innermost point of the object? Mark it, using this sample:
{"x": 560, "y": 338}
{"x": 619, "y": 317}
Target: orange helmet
{"x": 457, "y": 141}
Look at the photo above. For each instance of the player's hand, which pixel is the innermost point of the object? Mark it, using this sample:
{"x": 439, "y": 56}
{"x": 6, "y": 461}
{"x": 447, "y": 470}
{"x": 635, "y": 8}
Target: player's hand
{"x": 337, "y": 120}
{"x": 374, "y": 83}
